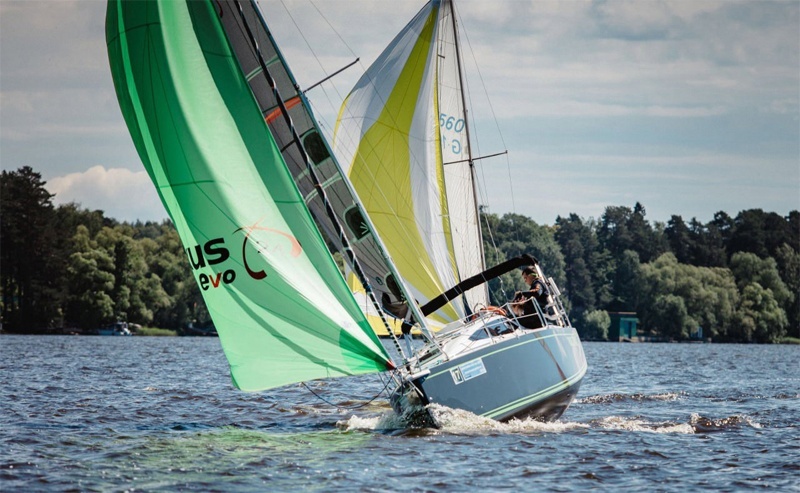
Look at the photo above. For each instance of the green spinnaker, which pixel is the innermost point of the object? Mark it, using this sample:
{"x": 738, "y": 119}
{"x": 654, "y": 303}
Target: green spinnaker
{"x": 282, "y": 309}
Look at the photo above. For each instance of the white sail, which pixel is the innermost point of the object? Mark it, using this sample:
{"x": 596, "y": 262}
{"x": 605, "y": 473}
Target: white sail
{"x": 401, "y": 122}
{"x": 456, "y": 159}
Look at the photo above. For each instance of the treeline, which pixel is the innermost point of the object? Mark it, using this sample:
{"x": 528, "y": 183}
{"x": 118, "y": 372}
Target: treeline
{"x": 736, "y": 277}
{"x": 67, "y": 267}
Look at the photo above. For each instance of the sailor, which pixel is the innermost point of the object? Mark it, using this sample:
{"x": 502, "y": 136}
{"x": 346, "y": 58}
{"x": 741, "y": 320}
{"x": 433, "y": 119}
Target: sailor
{"x": 522, "y": 305}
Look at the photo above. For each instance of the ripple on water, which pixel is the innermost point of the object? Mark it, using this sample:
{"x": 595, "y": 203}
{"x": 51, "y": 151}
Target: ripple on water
{"x": 161, "y": 414}
{"x": 636, "y": 397}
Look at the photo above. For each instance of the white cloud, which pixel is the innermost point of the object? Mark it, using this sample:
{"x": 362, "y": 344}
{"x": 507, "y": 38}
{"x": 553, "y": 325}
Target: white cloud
{"x": 122, "y": 194}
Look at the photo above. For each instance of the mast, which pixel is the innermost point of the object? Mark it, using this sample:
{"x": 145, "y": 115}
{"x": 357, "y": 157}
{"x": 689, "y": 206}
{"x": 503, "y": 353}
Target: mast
{"x": 466, "y": 132}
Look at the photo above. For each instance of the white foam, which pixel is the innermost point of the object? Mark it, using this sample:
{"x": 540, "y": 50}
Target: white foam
{"x": 609, "y": 398}
{"x": 633, "y": 424}
{"x": 457, "y": 421}
{"x": 463, "y": 422}
{"x": 386, "y": 421}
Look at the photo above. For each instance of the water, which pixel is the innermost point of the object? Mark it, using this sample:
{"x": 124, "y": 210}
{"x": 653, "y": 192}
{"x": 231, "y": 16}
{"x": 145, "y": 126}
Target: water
{"x": 160, "y": 414}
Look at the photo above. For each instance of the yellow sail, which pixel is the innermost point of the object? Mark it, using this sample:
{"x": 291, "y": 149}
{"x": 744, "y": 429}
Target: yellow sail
{"x": 393, "y": 137}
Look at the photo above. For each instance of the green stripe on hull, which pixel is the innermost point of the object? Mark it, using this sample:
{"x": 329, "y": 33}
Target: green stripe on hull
{"x": 552, "y": 390}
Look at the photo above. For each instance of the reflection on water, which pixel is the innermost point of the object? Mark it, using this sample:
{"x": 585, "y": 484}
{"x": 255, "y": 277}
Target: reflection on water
{"x": 161, "y": 414}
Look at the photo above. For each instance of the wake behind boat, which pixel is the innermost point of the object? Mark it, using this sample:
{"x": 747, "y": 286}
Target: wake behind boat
{"x": 258, "y": 199}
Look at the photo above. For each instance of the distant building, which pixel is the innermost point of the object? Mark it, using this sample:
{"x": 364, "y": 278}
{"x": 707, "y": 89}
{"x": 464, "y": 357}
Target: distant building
{"x": 623, "y": 326}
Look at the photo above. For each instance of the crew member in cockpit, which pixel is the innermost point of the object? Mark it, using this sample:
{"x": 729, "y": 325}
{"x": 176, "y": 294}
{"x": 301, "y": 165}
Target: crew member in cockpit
{"x": 522, "y": 304}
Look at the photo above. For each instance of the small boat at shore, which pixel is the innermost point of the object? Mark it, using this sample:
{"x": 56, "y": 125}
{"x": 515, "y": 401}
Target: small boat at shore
{"x": 115, "y": 329}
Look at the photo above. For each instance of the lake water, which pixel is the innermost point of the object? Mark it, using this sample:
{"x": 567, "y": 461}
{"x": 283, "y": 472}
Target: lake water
{"x": 139, "y": 413}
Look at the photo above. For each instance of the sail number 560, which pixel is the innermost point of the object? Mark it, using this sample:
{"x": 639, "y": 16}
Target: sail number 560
{"x": 450, "y": 123}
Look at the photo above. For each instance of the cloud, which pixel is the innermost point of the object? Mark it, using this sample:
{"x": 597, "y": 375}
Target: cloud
{"x": 596, "y": 78}
{"x": 691, "y": 184}
{"x": 122, "y": 194}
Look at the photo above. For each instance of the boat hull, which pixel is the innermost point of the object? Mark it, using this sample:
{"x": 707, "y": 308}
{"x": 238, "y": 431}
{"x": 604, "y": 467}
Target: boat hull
{"x": 536, "y": 374}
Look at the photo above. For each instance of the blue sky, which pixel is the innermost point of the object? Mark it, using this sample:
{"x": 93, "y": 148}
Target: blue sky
{"x": 687, "y": 107}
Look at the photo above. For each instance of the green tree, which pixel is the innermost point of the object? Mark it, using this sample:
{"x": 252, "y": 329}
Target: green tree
{"x": 167, "y": 262}
{"x": 594, "y": 325}
{"x": 759, "y": 318}
{"x": 579, "y": 246}
{"x": 680, "y": 239}
{"x": 137, "y": 291}
{"x": 91, "y": 283}
{"x": 762, "y": 233}
{"x": 29, "y": 267}
{"x": 788, "y": 262}
{"x": 722, "y": 225}
{"x": 670, "y": 317}
{"x": 626, "y": 283}
{"x": 623, "y": 229}
{"x": 707, "y": 245}
{"x": 708, "y": 294}
{"x": 765, "y": 298}
{"x": 749, "y": 269}
{"x": 514, "y": 235}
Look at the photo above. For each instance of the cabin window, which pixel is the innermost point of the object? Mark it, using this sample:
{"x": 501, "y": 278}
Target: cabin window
{"x": 315, "y": 147}
{"x": 479, "y": 334}
{"x": 495, "y": 329}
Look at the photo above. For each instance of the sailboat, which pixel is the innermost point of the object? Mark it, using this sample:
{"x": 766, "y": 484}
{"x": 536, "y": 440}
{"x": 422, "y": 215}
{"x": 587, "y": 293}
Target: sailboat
{"x": 403, "y": 137}
{"x": 260, "y": 201}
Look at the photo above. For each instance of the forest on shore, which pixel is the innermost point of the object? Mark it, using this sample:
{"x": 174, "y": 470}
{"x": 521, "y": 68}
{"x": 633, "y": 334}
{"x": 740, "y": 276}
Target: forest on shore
{"x": 737, "y": 278}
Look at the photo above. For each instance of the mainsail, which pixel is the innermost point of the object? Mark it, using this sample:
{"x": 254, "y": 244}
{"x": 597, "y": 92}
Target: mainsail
{"x": 401, "y": 135}
{"x": 226, "y": 172}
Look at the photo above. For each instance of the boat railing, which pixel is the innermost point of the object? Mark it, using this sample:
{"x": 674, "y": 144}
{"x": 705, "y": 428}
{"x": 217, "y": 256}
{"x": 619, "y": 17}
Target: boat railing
{"x": 555, "y": 293}
{"x": 553, "y": 313}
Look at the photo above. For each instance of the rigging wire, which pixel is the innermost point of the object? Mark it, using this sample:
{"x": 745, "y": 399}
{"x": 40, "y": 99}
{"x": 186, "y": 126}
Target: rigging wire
{"x": 313, "y": 52}
{"x": 350, "y": 139}
{"x": 338, "y": 406}
{"x": 484, "y": 195}
{"x": 491, "y": 108}
{"x": 399, "y": 224}
{"x": 417, "y": 165}
{"x": 329, "y": 211}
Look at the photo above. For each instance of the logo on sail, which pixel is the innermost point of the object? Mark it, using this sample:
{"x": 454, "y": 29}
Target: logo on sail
{"x": 261, "y": 245}
{"x": 265, "y": 241}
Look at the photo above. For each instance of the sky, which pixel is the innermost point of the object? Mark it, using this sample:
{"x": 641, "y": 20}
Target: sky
{"x": 688, "y": 107}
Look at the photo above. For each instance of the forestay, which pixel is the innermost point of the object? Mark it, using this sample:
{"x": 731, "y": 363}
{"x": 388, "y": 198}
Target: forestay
{"x": 282, "y": 309}
{"x": 401, "y": 135}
